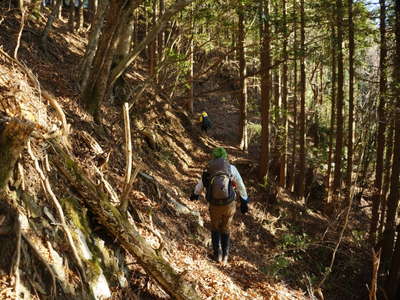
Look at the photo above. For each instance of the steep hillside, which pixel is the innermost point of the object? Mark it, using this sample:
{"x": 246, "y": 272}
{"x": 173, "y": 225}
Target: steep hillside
{"x": 170, "y": 151}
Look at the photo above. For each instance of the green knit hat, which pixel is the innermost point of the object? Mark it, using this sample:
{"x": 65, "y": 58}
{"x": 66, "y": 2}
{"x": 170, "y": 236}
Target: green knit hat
{"x": 219, "y": 153}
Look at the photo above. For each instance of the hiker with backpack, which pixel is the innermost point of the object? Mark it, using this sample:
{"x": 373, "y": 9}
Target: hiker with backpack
{"x": 205, "y": 122}
{"x": 220, "y": 180}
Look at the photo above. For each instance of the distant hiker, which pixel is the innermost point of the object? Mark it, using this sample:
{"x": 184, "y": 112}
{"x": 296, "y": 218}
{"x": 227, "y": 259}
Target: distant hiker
{"x": 205, "y": 122}
{"x": 220, "y": 180}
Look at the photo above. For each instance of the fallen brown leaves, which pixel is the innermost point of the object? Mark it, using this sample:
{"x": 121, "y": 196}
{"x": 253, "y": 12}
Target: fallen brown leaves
{"x": 6, "y": 288}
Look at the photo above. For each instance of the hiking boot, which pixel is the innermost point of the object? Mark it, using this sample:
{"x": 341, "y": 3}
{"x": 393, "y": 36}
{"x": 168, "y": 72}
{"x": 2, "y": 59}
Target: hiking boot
{"x": 225, "y": 244}
{"x": 225, "y": 259}
{"x": 216, "y": 244}
{"x": 217, "y": 256}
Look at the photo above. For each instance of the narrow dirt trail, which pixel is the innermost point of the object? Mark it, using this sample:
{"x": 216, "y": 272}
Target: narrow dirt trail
{"x": 246, "y": 274}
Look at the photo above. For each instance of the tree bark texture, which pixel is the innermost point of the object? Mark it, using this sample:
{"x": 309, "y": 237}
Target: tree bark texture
{"x": 242, "y": 80}
{"x": 387, "y": 168}
{"x": 50, "y": 21}
{"x": 333, "y": 114}
{"x": 393, "y": 283}
{"x": 13, "y": 136}
{"x": 339, "y": 102}
{"x": 92, "y": 9}
{"x": 302, "y": 118}
{"x": 266, "y": 86}
{"x": 393, "y": 198}
{"x": 153, "y": 44}
{"x": 93, "y": 41}
{"x": 161, "y": 35}
{"x": 349, "y": 170}
{"x": 376, "y": 201}
{"x": 79, "y": 16}
{"x": 291, "y": 174}
{"x": 96, "y": 89}
{"x": 71, "y": 16}
{"x": 125, "y": 36}
{"x": 283, "y": 158}
{"x": 190, "y": 103}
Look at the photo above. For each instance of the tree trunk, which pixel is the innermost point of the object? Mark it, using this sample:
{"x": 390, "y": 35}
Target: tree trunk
{"x": 13, "y": 136}
{"x": 283, "y": 159}
{"x": 265, "y": 86}
{"x": 329, "y": 183}
{"x": 152, "y": 34}
{"x": 381, "y": 127}
{"x": 79, "y": 16}
{"x": 91, "y": 48}
{"x": 152, "y": 45}
{"x": 393, "y": 283}
{"x": 49, "y": 23}
{"x": 393, "y": 199}
{"x": 161, "y": 35}
{"x": 93, "y": 5}
{"x": 125, "y": 36}
{"x": 59, "y": 16}
{"x": 71, "y": 17}
{"x": 101, "y": 78}
{"x": 190, "y": 104}
{"x": 292, "y": 168}
{"x": 387, "y": 168}
{"x": 97, "y": 86}
{"x": 242, "y": 79}
{"x": 351, "y": 105}
{"x": 275, "y": 109}
{"x": 276, "y": 101}
{"x": 340, "y": 95}
{"x": 122, "y": 230}
{"x": 302, "y": 119}
{"x": 21, "y": 28}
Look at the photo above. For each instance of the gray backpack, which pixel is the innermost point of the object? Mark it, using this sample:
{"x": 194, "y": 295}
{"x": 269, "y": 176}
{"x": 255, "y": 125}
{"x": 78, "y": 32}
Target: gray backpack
{"x": 218, "y": 182}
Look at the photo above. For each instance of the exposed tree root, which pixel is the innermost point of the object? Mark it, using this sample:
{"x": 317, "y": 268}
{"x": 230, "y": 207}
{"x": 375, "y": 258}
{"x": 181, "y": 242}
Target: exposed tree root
{"x": 43, "y": 261}
{"x": 110, "y": 217}
{"x": 48, "y": 189}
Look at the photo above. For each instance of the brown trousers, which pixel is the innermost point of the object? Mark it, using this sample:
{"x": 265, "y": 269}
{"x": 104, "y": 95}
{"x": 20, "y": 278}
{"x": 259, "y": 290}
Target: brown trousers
{"x": 222, "y": 216}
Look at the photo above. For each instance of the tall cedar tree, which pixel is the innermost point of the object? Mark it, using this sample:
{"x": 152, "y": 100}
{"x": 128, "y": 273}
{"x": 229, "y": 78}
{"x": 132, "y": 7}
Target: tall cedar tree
{"x": 266, "y": 85}
{"x": 291, "y": 174}
{"x": 333, "y": 113}
{"x": 153, "y": 45}
{"x": 302, "y": 118}
{"x": 339, "y": 102}
{"x": 393, "y": 285}
{"x": 283, "y": 158}
{"x": 242, "y": 78}
{"x": 191, "y": 61}
{"x": 377, "y": 197}
{"x": 393, "y": 198}
{"x": 161, "y": 35}
{"x": 351, "y": 104}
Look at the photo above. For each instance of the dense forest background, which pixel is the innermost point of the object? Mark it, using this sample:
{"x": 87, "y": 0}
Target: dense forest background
{"x": 100, "y": 147}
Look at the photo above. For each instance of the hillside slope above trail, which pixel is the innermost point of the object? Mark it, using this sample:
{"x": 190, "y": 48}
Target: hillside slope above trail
{"x": 172, "y": 167}
{"x": 171, "y": 151}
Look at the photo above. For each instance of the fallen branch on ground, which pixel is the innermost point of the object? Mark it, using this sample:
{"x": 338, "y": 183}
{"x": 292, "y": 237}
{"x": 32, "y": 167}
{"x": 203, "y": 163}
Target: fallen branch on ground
{"x": 49, "y": 191}
{"x": 109, "y": 216}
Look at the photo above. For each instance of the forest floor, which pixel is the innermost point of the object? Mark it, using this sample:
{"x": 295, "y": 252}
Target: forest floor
{"x": 280, "y": 249}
